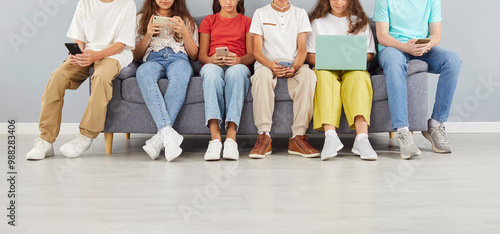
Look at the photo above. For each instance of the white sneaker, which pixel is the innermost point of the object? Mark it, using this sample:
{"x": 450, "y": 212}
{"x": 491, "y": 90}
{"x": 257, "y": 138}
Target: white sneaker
{"x": 363, "y": 148}
{"x": 172, "y": 141}
{"x": 331, "y": 147}
{"x": 153, "y": 146}
{"x": 41, "y": 149}
{"x": 213, "y": 150}
{"x": 230, "y": 150}
{"x": 76, "y": 147}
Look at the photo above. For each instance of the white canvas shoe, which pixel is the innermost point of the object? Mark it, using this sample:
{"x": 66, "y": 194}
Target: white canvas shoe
{"x": 230, "y": 151}
{"x": 153, "y": 146}
{"x": 76, "y": 147}
{"x": 171, "y": 140}
{"x": 213, "y": 151}
{"x": 41, "y": 149}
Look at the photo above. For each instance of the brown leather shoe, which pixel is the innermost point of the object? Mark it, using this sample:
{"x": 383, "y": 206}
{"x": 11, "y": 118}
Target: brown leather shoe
{"x": 262, "y": 147}
{"x": 299, "y": 146}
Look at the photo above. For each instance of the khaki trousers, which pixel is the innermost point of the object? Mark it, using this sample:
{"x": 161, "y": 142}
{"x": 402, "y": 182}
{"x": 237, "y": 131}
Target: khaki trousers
{"x": 300, "y": 88}
{"x": 71, "y": 77}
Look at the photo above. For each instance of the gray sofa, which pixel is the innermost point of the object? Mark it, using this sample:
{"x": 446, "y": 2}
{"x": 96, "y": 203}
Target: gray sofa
{"x": 127, "y": 112}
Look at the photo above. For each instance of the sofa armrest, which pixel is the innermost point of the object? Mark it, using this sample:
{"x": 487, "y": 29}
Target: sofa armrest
{"x": 414, "y": 66}
{"x": 128, "y": 71}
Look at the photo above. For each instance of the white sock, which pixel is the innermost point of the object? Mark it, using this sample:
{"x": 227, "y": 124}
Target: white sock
{"x": 361, "y": 135}
{"x": 215, "y": 140}
{"x": 267, "y": 133}
{"x": 330, "y": 133}
{"x": 400, "y": 129}
{"x": 434, "y": 123}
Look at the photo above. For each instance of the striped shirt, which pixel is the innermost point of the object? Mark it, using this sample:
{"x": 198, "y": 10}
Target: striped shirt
{"x": 165, "y": 39}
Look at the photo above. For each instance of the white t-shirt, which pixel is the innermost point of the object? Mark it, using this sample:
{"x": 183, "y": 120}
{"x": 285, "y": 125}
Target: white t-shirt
{"x": 166, "y": 39}
{"x": 333, "y": 25}
{"x": 100, "y": 25}
{"x": 280, "y": 31}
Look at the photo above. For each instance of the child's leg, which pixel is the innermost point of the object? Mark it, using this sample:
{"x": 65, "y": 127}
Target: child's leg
{"x": 102, "y": 90}
{"x": 236, "y": 89}
{"x": 327, "y": 101}
{"x": 65, "y": 77}
{"x": 357, "y": 94}
{"x": 147, "y": 76}
{"x": 263, "y": 84}
{"x": 301, "y": 89}
{"x": 213, "y": 88}
{"x": 179, "y": 72}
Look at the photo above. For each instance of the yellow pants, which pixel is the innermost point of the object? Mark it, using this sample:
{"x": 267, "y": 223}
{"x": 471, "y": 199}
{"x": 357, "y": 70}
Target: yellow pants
{"x": 334, "y": 89}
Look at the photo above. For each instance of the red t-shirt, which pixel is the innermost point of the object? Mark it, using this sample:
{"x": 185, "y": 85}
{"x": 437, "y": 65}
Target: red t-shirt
{"x": 226, "y": 32}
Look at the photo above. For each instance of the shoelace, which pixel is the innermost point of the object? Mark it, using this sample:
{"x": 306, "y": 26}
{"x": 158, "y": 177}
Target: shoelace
{"x": 81, "y": 140}
{"x": 405, "y": 138}
{"x": 39, "y": 143}
{"x": 231, "y": 149}
{"x": 440, "y": 133}
{"x": 302, "y": 141}
{"x": 211, "y": 148}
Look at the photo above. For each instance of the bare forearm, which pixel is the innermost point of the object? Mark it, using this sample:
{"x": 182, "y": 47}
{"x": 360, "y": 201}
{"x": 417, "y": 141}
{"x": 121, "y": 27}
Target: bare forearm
{"x": 81, "y": 44}
{"x": 247, "y": 59}
{"x": 388, "y": 41}
{"x": 111, "y": 50}
{"x": 191, "y": 47}
{"x": 301, "y": 58}
{"x": 259, "y": 56}
{"x": 140, "y": 49}
{"x": 311, "y": 58}
{"x": 435, "y": 39}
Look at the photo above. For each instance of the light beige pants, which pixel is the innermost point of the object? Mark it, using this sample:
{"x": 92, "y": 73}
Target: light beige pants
{"x": 68, "y": 76}
{"x": 300, "y": 88}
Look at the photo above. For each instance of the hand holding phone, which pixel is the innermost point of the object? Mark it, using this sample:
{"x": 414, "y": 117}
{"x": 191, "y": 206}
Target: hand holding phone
{"x": 165, "y": 21}
{"x": 423, "y": 41}
{"x": 287, "y": 64}
{"x": 222, "y": 51}
{"x": 73, "y": 48}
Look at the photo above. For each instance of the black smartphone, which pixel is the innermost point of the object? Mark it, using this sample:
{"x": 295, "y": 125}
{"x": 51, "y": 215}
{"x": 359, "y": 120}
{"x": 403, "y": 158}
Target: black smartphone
{"x": 73, "y": 48}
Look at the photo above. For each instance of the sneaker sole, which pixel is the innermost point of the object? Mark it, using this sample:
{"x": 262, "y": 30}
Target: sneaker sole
{"x": 176, "y": 153}
{"x": 260, "y": 156}
{"x": 34, "y": 159}
{"x": 411, "y": 156}
{"x": 230, "y": 158}
{"x": 368, "y": 158}
{"x": 212, "y": 159}
{"x": 429, "y": 138}
{"x": 150, "y": 151}
{"x": 316, "y": 155}
{"x": 324, "y": 158}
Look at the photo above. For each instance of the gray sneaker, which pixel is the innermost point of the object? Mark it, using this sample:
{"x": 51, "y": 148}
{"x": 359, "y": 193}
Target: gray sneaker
{"x": 407, "y": 147}
{"x": 363, "y": 148}
{"x": 438, "y": 139}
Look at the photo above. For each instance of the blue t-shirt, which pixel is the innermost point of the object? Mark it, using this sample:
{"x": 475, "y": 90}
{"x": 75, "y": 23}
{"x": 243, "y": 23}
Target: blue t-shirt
{"x": 408, "y": 19}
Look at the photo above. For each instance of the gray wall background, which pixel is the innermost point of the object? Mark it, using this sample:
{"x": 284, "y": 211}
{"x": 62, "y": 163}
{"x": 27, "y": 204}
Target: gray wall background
{"x": 33, "y": 37}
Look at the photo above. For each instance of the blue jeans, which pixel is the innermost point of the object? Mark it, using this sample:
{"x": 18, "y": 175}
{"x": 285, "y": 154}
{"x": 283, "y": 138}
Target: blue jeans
{"x": 441, "y": 61}
{"x": 224, "y": 91}
{"x": 178, "y": 70}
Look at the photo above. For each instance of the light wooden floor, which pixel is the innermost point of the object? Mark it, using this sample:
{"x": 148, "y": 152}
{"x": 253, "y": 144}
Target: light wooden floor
{"x": 127, "y": 192}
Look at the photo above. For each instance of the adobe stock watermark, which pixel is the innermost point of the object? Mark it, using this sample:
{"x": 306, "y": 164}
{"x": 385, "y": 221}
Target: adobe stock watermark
{"x": 406, "y": 168}
{"x": 32, "y": 25}
{"x": 221, "y": 178}
{"x": 483, "y": 91}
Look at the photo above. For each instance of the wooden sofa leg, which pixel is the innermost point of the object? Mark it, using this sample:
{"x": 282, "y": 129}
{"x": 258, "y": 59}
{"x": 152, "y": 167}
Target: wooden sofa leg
{"x": 108, "y": 139}
{"x": 127, "y": 135}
